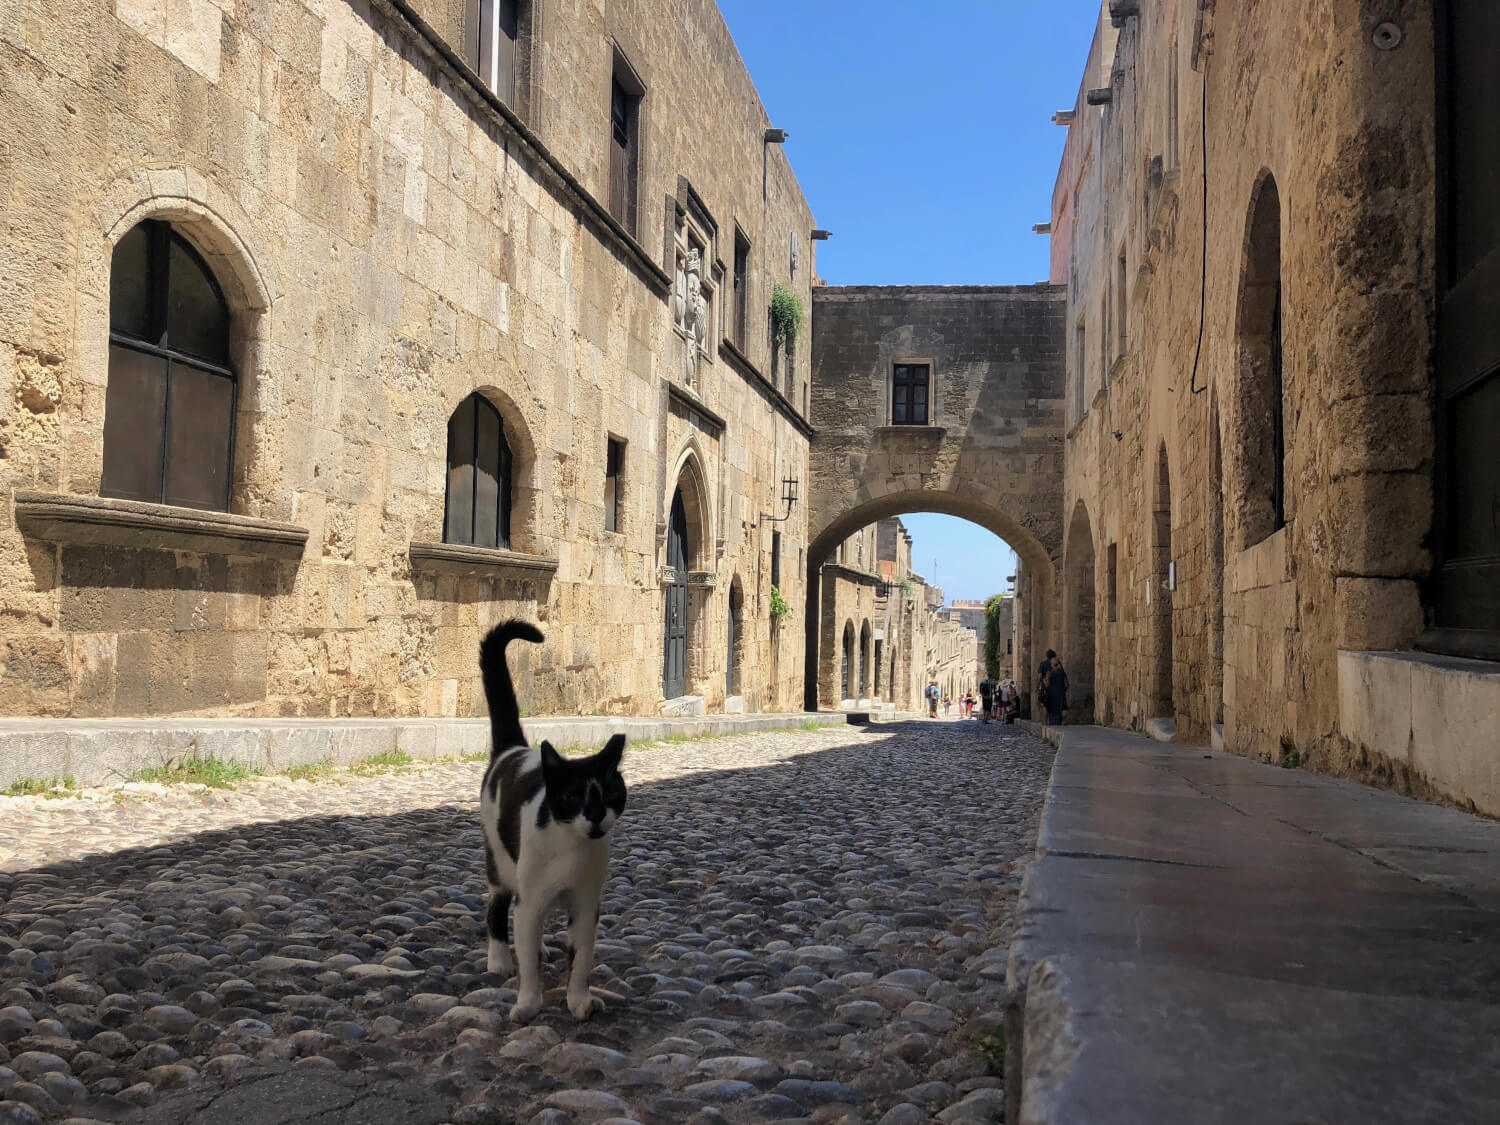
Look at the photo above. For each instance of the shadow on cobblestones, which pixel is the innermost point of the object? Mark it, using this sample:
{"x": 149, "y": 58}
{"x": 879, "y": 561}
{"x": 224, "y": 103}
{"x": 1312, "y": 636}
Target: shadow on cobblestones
{"x": 793, "y": 921}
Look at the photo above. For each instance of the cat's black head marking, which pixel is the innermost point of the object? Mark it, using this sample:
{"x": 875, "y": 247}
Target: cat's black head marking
{"x": 588, "y": 793}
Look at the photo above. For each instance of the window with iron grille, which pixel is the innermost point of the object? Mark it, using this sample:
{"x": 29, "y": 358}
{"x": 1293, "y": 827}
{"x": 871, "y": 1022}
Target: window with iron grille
{"x": 477, "y": 510}
{"x": 170, "y": 401}
{"x": 911, "y": 386}
{"x": 614, "y": 470}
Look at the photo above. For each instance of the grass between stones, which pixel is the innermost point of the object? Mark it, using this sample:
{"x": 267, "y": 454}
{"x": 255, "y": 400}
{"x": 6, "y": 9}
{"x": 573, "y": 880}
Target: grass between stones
{"x": 225, "y": 773}
{"x": 216, "y": 773}
{"x": 52, "y": 788}
{"x": 992, "y": 1047}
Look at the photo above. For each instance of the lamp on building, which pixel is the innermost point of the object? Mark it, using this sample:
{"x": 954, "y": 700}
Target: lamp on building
{"x": 776, "y": 136}
{"x": 788, "y": 497}
{"x": 821, "y": 235}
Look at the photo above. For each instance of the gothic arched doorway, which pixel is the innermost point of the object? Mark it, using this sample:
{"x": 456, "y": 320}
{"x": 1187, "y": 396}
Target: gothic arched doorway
{"x": 674, "y": 663}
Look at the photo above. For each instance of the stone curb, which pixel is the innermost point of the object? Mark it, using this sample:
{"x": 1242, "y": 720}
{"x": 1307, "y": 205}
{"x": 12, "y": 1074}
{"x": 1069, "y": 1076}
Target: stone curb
{"x": 104, "y": 751}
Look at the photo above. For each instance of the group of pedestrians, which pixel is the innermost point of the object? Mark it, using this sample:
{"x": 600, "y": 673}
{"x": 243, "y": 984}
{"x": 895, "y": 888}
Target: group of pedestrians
{"x": 1002, "y": 700}
{"x": 999, "y": 700}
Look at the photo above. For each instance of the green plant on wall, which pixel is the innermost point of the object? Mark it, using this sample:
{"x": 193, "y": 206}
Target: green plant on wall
{"x": 786, "y": 315}
{"x": 992, "y": 606}
{"x": 780, "y": 607}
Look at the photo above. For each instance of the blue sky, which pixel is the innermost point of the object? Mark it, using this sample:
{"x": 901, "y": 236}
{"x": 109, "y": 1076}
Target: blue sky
{"x": 922, "y": 137}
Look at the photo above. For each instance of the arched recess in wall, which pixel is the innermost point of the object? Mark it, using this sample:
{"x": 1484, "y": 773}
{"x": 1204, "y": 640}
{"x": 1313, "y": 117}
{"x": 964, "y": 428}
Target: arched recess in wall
{"x": 1078, "y": 614}
{"x": 691, "y": 480}
{"x": 864, "y": 660}
{"x": 522, "y": 467}
{"x": 1215, "y": 487}
{"x": 199, "y": 226}
{"x": 846, "y": 664}
{"x": 1163, "y": 574}
{"x": 979, "y": 505}
{"x": 687, "y": 579}
{"x": 735, "y": 648}
{"x": 1260, "y": 501}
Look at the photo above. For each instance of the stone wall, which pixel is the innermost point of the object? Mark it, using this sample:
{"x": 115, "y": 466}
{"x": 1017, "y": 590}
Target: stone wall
{"x": 992, "y": 452}
{"x": 389, "y": 239}
{"x": 1181, "y": 591}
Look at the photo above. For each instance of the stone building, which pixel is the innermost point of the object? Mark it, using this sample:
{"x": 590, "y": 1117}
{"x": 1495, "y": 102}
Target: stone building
{"x": 1005, "y": 648}
{"x": 332, "y": 332}
{"x": 970, "y": 614}
{"x": 952, "y": 649}
{"x": 1276, "y": 224}
{"x": 883, "y": 633}
{"x": 939, "y": 399}
{"x": 853, "y": 642}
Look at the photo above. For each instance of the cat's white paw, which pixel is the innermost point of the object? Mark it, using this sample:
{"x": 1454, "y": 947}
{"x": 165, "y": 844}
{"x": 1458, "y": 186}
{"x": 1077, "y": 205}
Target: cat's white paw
{"x": 524, "y": 1011}
{"x": 584, "y": 1006}
{"x": 499, "y": 959}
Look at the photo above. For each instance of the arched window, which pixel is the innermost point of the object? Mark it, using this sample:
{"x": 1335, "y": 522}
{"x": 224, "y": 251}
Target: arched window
{"x": 477, "y": 509}
{"x": 169, "y": 406}
{"x": 1262, "y": 437}
{"x": 736, "y": 638}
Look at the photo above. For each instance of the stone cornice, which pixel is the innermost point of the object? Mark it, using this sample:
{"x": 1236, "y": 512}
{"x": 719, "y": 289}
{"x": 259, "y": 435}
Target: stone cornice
{"x": 436, "y": 50}
{"x": 686, "y": 401}
{"x": 479, "y": 562}
{"x": 100, "y": 521}
{"x": 863, "y": 577}
{"x": 752, "y": 375}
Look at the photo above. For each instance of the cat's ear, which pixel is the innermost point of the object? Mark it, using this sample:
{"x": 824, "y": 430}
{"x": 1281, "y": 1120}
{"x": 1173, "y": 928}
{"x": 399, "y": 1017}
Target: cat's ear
{"x": 552, "y": 761}
{"x": 613, "y": 751}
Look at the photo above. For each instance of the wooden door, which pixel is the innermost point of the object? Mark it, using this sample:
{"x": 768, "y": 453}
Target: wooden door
{"x": 674, "y": 674}
{"x": 1464, "y": 597}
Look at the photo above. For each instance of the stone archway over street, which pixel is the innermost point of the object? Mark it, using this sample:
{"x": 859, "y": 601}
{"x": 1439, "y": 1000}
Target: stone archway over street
{"x": 938, "y": 399}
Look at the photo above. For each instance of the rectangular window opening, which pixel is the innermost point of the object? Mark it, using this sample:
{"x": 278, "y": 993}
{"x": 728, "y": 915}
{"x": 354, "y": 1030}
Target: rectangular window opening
{"x": 1121, "y": 305}
{"x": 1081, "y": 354}
{"x": 1112, "y": 579}
{"x": 911, "y": 386}
{"x": 625, "y": 97}
{"x": 614, "y": 472}
{"x": 495, "y": 45}
{"x": 741, "y": 288}
{"x": 776, "y": 559}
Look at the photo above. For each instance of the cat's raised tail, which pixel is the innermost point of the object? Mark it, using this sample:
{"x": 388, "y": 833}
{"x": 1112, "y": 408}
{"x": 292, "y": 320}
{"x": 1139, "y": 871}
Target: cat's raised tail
{"x": 499, "y": 692}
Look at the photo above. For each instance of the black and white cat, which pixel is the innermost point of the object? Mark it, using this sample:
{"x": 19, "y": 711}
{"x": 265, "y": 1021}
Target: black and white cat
{"x": 546, "y": 823}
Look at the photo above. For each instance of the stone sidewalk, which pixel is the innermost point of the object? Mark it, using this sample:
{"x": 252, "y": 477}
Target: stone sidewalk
{"x": 1206, "y": 938}
{"x": 100, "y": 751}
{"x": 803, "y": 926}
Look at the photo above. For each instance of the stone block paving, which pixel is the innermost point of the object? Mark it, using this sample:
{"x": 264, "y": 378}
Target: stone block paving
{"x": 799, "y": 926}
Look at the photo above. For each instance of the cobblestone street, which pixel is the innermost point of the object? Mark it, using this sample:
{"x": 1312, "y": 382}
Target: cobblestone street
{"x": 805, "y": 925}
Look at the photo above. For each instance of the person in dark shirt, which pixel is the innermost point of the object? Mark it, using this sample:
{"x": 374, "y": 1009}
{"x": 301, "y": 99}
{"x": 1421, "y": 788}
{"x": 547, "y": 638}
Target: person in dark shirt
{"x": 1057, "y": 693}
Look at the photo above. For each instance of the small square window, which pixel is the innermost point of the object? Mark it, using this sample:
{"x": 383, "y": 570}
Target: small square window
{"x": 614, "y": 479}
{"x": 911, "y": 386}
